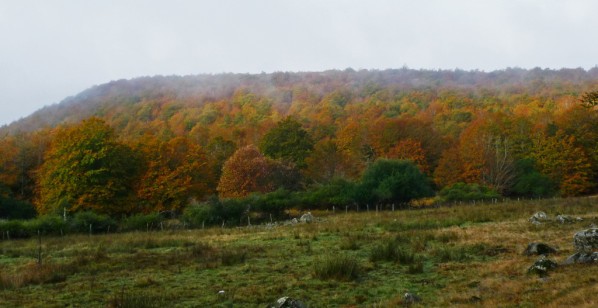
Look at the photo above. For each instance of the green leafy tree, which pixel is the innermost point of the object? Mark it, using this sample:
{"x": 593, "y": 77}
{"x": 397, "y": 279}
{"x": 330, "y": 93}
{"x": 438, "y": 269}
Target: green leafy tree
{"x": 86, "y": 168}
{"x": 530, "y": 182}
{"x": 289, "y": 142}
{"x": 392, "y": 181}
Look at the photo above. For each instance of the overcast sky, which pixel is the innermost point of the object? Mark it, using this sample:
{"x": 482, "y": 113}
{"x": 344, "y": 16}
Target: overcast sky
{"x": 53, "y": 49}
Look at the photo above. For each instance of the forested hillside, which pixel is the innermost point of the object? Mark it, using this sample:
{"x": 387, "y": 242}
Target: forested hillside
{"x": 161, "y": 143}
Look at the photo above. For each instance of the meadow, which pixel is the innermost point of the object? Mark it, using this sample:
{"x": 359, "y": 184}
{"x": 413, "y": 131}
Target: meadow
{"x": 460, "y": 255}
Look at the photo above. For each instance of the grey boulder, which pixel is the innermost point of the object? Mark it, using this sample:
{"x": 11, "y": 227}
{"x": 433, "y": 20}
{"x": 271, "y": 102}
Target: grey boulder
{"x": 586, "y": 240}
{"x": 538, "y": 249}
{"x": 542, "y": 266}
{"x": 582, "y": 258}
{"x": 287, "y": 302}
{"x": 538, "y": 218}
{"x": 307, "y": 217}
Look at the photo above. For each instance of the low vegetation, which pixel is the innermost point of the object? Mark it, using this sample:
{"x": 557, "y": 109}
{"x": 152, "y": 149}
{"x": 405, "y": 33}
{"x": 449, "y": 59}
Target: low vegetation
{"x": 453, "y": 255}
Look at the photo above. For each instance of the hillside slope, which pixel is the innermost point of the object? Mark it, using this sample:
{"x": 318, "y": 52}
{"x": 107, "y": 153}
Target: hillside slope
{"x": 194, "y": 91}
{"x": 513, "y": 132}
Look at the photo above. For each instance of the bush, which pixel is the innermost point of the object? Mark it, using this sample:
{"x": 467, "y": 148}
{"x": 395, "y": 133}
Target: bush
{"x": 274, "y": 203}
{"x": 141, "y": 222}
{"x": 214, "y": 212}
{"x": 338, "y": 192}
{"x": 16, "y": 209}
{"x": 467, "y": 192}
{"x": 81, "y": 222}
{"x": 13, "y": 229}
{"x": 47, "y": 224}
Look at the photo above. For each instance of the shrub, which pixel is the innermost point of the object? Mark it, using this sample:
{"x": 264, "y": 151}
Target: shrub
{"x": 214, "y": 212}
{"x": 274, "y": 203}
{"x": 467, "y": 192}
{"x": 16, "y": 209}
{"x": 47, "y": 224}
{"x": 337, "y": 192}
{"x": 141, "y": 222}
{"x": 81, "y": 222}
{"x": 197, "y": 214}
{"x": 14, "y": 229}
{"x": 338, "y": 267}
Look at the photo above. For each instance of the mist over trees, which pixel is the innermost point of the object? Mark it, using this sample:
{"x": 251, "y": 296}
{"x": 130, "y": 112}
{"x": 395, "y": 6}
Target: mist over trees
{"x": 161, "y": 143}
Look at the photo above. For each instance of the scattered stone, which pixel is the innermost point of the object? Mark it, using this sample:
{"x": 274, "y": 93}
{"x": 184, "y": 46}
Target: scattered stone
{"x": 565, "y": 219}
{"x": 410, "y": 298}
{"x": 307, "y": 217}
{"x": 294, "y": 221}
{"x": 578, "y": 219}
{"x": 287, "y": 302}
{"x": 538, "y": 249}
{"x": 586, "y": 241}
{"x": 538, "y": 218}
{"x": 582, "y": 258}
{"x": 542, "y": 266}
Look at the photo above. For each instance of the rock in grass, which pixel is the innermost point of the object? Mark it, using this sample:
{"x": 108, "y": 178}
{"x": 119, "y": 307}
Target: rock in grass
{"x": 542, "y": 266}
{"x": 307, "y": 217}
{"x": 287, "y": 302}
{"x": 410, "y": 298}
{"x": 582, "y": 258}
{"x": 538, "y": 218}
{"x": 586, "y": 240}
{"x": 538, "y": 249}
{"x": 564, "y": 219}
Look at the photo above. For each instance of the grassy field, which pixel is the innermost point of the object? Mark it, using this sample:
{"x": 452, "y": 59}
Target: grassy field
{"x": 460, "y": 255}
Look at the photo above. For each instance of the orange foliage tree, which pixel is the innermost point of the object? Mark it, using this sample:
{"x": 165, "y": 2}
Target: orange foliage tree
{"x": 175, "y": 172}
{"x": 245, "y": 172}
{"x": 561, "y": 159}
{"x": 409, "y": 149}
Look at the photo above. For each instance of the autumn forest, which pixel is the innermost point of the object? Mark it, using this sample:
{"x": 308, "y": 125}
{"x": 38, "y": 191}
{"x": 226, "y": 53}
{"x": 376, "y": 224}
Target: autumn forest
{"x": 304, "y": 140}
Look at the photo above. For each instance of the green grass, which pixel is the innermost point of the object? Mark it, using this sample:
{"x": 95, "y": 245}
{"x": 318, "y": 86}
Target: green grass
{"x": 447, "y": 256}
{"x": 340, "y": 267}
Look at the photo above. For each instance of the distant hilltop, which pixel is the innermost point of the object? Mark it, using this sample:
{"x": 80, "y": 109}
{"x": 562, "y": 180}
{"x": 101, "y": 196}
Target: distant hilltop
{"x": 194, "y": 91}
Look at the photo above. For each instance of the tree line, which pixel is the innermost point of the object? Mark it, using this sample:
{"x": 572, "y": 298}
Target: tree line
{"x": 332, "y": 144}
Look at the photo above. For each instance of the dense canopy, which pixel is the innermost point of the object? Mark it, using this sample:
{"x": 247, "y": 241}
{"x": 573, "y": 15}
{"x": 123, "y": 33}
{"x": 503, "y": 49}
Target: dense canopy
{"x": 162, "y": 143}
